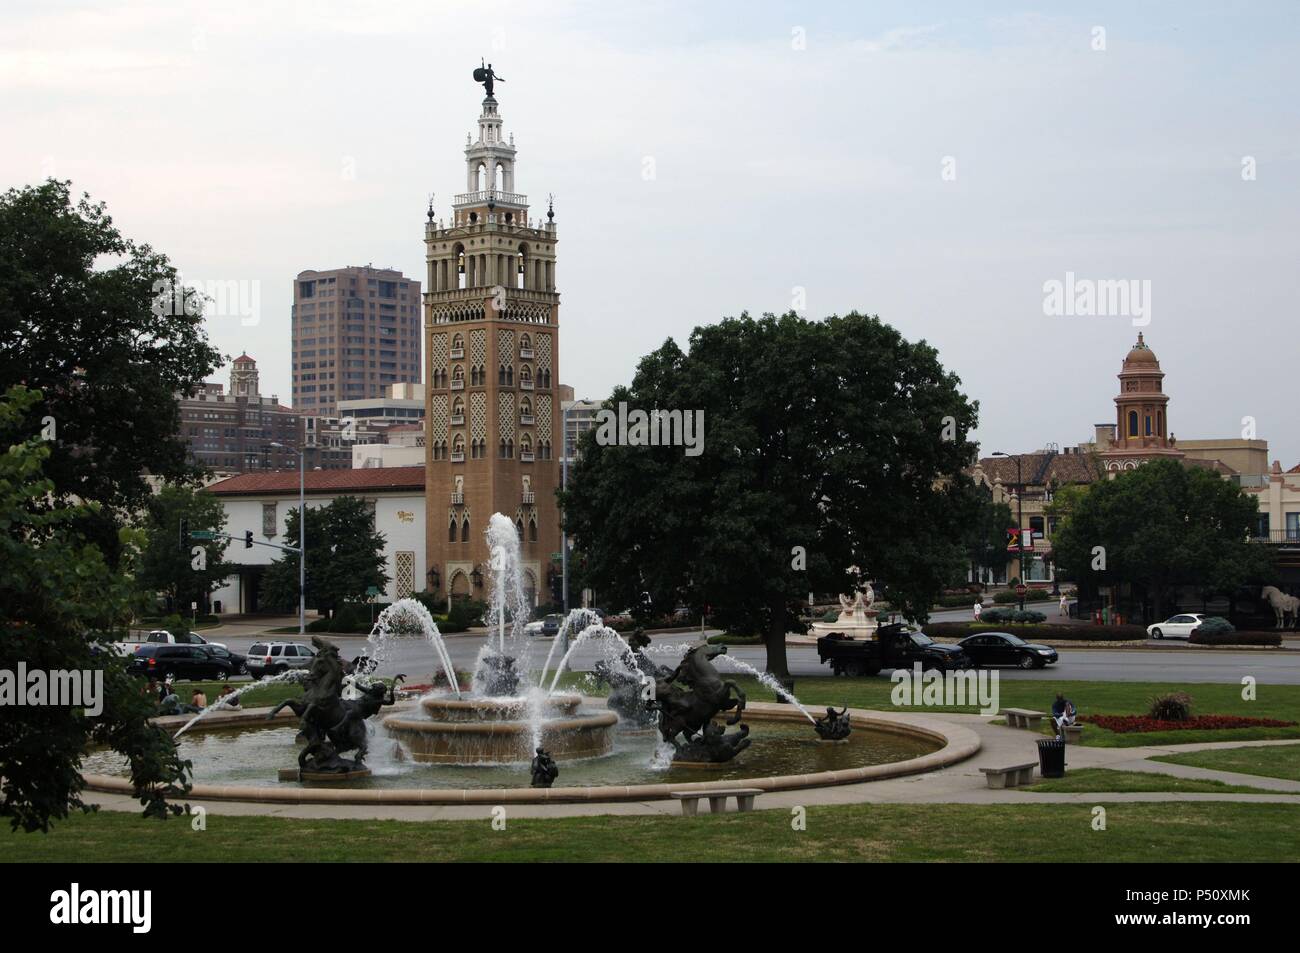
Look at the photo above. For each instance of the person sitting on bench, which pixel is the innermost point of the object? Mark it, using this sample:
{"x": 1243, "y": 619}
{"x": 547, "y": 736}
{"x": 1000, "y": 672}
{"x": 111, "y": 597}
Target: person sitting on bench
{"x": 1063, "y": 713}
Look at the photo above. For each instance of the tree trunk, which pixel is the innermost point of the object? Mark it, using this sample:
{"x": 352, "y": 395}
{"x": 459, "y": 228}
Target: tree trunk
{"x": 775, "y": 642}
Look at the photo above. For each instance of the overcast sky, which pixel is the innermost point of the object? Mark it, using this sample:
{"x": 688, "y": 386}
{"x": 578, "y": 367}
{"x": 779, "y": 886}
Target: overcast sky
{"x": 924, "y": 162}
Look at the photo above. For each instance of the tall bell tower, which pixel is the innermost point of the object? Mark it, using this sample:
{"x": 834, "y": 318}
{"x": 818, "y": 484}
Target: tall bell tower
{"x": 491, "y": 325}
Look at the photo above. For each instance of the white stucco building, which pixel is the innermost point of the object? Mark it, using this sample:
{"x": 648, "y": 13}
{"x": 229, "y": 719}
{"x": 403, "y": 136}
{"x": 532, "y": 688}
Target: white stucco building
{"x": 261, "y": 502}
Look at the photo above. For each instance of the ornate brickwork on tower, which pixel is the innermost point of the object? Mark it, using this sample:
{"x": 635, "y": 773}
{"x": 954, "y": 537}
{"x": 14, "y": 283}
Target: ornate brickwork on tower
{"x": 491, "y": 318}
{"x": 1141, "y": 414}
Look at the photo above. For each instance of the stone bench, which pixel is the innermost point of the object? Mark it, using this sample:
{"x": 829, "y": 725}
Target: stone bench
{"x": 1023, "y": 717}
{"x": 717, "y": 799}
{"x": 1073, "y": 734}
{"x": 1011, "y": 776}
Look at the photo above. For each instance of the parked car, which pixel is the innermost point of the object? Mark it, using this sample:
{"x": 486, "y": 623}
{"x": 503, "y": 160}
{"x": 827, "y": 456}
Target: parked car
{"x": 1176, "y": 626}
{"x": 239, "y": 663}
{"x": 1002, "y": 648}
{"x": 547, "y": 627}
{"x": 894, "y": 646}
{"x": 163, "y": 661}
{"x": 162, "y": 636}
{"x": 274, "y": 658}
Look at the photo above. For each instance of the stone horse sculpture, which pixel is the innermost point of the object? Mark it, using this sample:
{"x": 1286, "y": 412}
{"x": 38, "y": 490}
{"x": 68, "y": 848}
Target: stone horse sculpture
{"x": 687, "y": 700}
{"x": 331, "y": 725}
{"x": 1282, "y": 605}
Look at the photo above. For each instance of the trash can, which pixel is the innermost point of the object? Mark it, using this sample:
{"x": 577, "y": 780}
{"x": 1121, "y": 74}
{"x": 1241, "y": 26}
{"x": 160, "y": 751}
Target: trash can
{"x": 1051, "y": 758}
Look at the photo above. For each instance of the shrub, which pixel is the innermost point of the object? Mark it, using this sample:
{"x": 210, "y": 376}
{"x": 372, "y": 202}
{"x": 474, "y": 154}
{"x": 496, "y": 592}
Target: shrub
{"x": 1008, "y": 596}
{"x": 1234, "y": 638}
{"x": 831, "y": 615}
{"x": 1039, "y": 632}
{"x": 1011, "y": 615}
{"x": 1215, "y": 625}
{"x": 1175, "y": 706}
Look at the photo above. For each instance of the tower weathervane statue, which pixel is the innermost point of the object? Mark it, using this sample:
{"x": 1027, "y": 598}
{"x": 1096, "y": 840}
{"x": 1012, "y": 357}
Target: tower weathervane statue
{"x": 486, "y": 76}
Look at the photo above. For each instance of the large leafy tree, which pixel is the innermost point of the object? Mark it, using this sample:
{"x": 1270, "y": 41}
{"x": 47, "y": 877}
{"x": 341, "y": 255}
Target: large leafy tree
{"x": 85, "y": 316}
{"x": 60, "y": 601}
{"x": 168, "y": 564}
{"x": 1159, "y": 526}
{"x": 826, "y": 445}
{"x": 985, "y": 539}
{"x": 345, "y": 557}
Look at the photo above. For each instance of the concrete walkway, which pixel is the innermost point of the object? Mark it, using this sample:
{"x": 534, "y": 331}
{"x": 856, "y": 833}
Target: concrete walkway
{"x": 961, "y": 783}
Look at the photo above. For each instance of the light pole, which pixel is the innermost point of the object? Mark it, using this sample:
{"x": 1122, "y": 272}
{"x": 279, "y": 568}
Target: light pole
{"x": 302, "y": 536}
{"x": 1020, "y": 520}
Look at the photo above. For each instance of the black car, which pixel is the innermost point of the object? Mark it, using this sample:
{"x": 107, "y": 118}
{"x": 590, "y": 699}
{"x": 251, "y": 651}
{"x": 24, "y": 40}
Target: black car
{"x": 238, "y": 663}
{"x": 159, "y": 660}
{"x": 894, "y": 646}
{"x": 1003, "y": 648}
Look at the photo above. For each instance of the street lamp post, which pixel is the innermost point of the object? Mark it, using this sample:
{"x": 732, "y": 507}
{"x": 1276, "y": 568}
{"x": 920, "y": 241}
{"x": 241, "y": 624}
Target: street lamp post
{"x": 302, "y": 536}
{"x": 1020, "y": 521}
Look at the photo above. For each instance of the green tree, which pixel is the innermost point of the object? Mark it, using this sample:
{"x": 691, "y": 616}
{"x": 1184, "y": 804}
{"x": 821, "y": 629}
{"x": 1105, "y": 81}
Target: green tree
{"x": 107, "y": 346}
{"x": 60, "y": 602}
{"x": 985, "y": 539}
{"x": 170, "y": 565}
{"x": 1159, "y": 526}
{"x": 826, "y": 444}
{"x": 345, "y": 556}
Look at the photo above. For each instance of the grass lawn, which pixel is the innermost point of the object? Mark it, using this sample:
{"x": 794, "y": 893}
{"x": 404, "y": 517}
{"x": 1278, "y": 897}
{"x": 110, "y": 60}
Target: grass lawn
{"x": 1104, "y": 780}
{"x": 258, "y": 697}
{"x": 1281, "y": 702}
{"x": 888, "y": 832}
{"x": 1274, "y": 761}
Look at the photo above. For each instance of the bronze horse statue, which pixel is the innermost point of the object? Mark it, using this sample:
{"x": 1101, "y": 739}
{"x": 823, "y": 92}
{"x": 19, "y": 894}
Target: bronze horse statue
{"x": 707, "y": 694}
{"x": 331, "y": 725}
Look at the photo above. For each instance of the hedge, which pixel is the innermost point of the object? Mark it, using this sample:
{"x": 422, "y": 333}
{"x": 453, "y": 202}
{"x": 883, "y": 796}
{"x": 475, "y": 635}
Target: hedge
{"x": 1008, "y": 596}
{"x": 1234, "y": 638}
{"x": 1032, "y": 633}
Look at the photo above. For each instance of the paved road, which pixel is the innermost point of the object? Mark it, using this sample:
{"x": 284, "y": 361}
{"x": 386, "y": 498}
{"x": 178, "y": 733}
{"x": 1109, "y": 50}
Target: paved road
{"x": 1161, "y": 662}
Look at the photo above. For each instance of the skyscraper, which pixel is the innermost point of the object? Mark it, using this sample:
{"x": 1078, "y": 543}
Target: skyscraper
{"x": 492, "y": 325}
{"x": 356, "y": 330}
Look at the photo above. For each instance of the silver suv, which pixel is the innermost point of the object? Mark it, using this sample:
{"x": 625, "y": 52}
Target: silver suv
{"x": 273, "y": 658}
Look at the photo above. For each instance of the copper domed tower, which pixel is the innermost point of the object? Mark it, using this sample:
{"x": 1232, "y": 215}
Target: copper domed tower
{"x": 1141, "y": 417}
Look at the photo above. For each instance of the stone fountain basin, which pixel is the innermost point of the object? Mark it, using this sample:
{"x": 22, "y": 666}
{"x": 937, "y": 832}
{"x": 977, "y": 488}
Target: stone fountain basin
{"x": 446, "y": 708}
{"x": 956, "y": 744}
{"x": 498, "y": 741}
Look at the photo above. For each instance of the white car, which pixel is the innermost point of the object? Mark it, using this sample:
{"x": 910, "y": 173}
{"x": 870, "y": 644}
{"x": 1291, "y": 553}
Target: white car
{"x": 1176, "y": 626}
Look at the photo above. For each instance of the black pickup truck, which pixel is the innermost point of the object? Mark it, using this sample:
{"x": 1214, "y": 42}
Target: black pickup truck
{"x": 895, "y": 646}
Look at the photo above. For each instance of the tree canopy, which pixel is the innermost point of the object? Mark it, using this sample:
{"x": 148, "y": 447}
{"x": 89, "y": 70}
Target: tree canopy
{"x": 169, "y": 565}
{"x": 826, "y": 444}
{"x": 60, "y": 604}
{"x": 345, "y": 557}
{"x": 1159, "y": 526}
{"x": 86, "y": 319}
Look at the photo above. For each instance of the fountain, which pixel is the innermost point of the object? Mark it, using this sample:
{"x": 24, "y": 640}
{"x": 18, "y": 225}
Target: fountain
{"x": 503, "y": 720}
{"x": 857, "y": 618}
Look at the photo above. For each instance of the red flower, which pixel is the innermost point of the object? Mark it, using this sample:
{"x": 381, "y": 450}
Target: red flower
{"x": 1124, "y": 724}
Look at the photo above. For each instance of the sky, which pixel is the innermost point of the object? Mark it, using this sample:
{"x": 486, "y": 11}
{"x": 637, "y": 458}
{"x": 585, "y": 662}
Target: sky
{"x": 937, "y": 164}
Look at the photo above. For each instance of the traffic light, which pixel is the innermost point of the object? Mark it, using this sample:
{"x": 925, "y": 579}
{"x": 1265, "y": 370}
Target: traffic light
{"x": 248, "y": 539}
{"x": 183, "y": 537}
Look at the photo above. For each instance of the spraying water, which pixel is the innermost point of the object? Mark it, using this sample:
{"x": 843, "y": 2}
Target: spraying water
{"x": 576, "y": 620}
{"x": 622, "y": 654}
{"x": 408, "y": 616}
{"x": 765, "y": 679}
{"x": 508, "y": 598}
{"x": 293, "y": 675}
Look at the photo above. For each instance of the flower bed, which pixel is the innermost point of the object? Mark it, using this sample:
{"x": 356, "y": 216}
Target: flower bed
{"x": 1127, "y": 724}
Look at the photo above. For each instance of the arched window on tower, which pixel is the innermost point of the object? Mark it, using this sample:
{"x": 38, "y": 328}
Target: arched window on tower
{"x": 1132, "y": 423}
{"x": 1160, "y": 422}
{"x": 464, "y": 531}
{"x": 532, "y": 529}
{"x": 1148, "y": 425}
{"x": 451, "y": 530}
